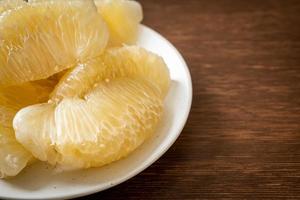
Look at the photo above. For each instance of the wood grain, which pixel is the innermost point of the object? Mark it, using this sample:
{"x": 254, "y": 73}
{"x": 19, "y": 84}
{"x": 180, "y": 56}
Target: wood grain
{"x": 242, "y": 139}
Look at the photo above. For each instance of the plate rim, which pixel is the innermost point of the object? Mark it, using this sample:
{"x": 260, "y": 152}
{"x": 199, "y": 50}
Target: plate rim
{"x": 155, "y": 156}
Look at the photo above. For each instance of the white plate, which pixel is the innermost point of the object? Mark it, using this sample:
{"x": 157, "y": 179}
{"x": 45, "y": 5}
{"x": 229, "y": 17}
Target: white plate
{"x": 41, "y": 181}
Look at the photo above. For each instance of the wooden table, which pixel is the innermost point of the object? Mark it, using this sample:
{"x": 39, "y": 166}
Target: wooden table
{"x": 242, "y": 139}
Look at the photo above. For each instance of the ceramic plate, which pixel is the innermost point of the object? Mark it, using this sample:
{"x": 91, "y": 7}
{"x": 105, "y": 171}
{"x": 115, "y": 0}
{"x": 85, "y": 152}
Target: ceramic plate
{"x": 41, "y": 181}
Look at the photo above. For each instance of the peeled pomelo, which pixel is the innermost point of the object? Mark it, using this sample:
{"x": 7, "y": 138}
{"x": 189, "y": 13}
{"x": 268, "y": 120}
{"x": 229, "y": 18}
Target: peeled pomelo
{"x": 110, "y": 122}
{"x": 40, "y": 39}
{"x": 14, "y": 98}
{"x": 13, "y": 156}
{"x": 127, "y": 61}
{"x": 123, "y": 18}
{"x": 100, "y": 111}
{"x": 6, "y": 5}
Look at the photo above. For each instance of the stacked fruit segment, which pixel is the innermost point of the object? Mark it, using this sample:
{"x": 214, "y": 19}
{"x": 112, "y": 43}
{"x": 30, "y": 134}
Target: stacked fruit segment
{"x": 66, "y": 96}
{"x": 44, "y": 38}
{"x": 100, "y": 111}
{"x": 123, "y": 18}
{"x": 38, "y": 40}
{"x": 13, "y": 156}
{"x": 6, "y": 5}
{"x": 127, "y": 61}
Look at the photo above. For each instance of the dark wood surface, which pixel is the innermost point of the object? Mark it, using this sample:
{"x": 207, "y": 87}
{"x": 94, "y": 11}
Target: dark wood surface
{"x": 242, "y": 139}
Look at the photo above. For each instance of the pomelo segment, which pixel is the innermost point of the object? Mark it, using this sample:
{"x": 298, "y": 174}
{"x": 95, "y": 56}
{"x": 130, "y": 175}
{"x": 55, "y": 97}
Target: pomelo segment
{"x": 112, "y": 121}
{"x": 99, "y": 112}
{"x": 43, "y": 38}
{"x": 6, "y": 5}
{"x": 13, "y": 156}
{"x": 106, "y": 103}
{"x": 123, "y": 18}
{"x": 14, "y": 98}
{"x": 128, "y": 61}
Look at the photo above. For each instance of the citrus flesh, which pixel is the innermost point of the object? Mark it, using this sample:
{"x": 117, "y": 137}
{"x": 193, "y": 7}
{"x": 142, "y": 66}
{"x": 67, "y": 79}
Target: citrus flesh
{"x": 111, "y": 121}
{"x": 99, "y": 112}
{"x": 6, "y": 5}
{"x": 13, "y": 156}
{"x": 14, "y": 98}
{"x": 127, "y": 61}
{"x": 66, "y": 100}
{"x": 40, "y": 39}
{"x": 123, "y": 18}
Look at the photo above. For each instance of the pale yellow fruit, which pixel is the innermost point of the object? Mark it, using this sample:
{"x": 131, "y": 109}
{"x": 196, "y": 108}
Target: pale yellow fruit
{"x": 14, "y": 98}
{"x": 110, "y": 121}
{"x": 13, "y": 156}
{"x": 100, "y": 111}
{"x": 123, "y": 18}
{"x": 40, "y": 39}
{"x": 127, "y": 61}
{"x": 6, "y": 5}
